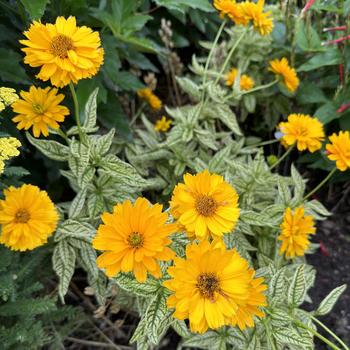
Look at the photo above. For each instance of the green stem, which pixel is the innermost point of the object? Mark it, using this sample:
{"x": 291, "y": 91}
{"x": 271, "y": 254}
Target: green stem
{"x": 228, "y": 58}
{"x": 63, "y": 135}
{"x": 76, "y": 105}
{"x": 316, "y": 334}
{"x": 268, "y": 334}
{"x": 138, "y": 113}
{"x": 285, "y": 155}
{"x": 211, "y": 55}
{"x": 330, "y": 332}
{"x": 261, "y": 87}
{"x": 324, "y": 181}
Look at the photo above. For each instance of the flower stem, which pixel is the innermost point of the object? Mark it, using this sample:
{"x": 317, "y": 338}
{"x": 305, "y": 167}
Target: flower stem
{"x": 316, "y": 334}
{"x": 63, "y": 135}
{"x": 268, "y": 334}
{"x": 228, "y": 58}
{"x": 330, "y": 332}
{"x": 76, "y": 108}
{"x": 284, "y": 156}
{"x": 261, "y": 87}
{"x": 320, "y": 184}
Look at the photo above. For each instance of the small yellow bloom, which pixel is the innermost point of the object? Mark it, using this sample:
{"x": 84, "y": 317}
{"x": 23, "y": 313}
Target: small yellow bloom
{"x": 232, "y": 10}
{"x": 339, "y": 150}
{"x": 39, "y": 108}
{"x": 7, "y": 97}
{"x": 27, "y": 218}
{"x": 8, "y": 149}
{"x": 163, "y": 124}
{"x": 296, "y": 228}
{"x": 65, "y": 52}
{"x": 205, "y": 204}
{"x": 305, "y": 131}
{"x": 134, "y": 238}
{"x": 262, "y": 21}
{"x": 150, "y": 98}
{"x": 246, "y": 83}
{"x": 282, "y": 69}
{"x": 213, "y": 287}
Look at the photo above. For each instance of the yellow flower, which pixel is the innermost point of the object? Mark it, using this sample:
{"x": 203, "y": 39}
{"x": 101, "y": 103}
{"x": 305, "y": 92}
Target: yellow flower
{"x": 231, "y": 9}
{"x": 205, "y": 204}
{"x": 214, "y": 287}
{"x": 8, "y": 149}
{"x": 339, "y": 150}
{"x": 66, "y": 53}
{"x": 262, "y": 21}
{"x": 296, "y": 228}
{"x": 40, "y": 109}
{"x": 281, "y": 68}
{"x": 134, "y": 238}
{"x": 7, "y": 97}
{"x": 246, "y": 83}
{"x": 163, "y": 124}
{"x": 27, "y": 218}
{"x": 150, "y": 98}
{"x": 305, "y": 131}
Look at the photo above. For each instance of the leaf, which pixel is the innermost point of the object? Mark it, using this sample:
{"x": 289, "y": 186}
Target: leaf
{"x": 284, "y": 191}
{"x": 290, "y": 336}
{"x": 208, "y": 340}
{"x": 297, "y": 289}
{"x": 180, "y": 328}
{"x": 299, "y": 183}
{"x": 329, "y": 301}
{"x": 228, "y": 117}
{"x": 88, "y": 257}
{"x": 52, "y": 149}
{"x": 35, "y": 8}
{"x": 10, "y": 68}
{"x": 103, "y": 143}
{"x": 63, "y": 262}
{"x": 329, "y": 58}
{"x": 327, "y": 112}
{"x": 75, "y": 229}
{"x": 189, "y": 87}
{"x": 77, "y": 204}
{"x": 254, "y": 218}
{"x": 91, "y": 111}
{"x": 277, "y": 287}
{"x": 307, "y": 37}
{"x": 182, "y": 5}
{"x": 128, "y": 283}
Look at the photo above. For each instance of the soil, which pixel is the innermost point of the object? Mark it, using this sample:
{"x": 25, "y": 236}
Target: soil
{"x": 332, "y": 262}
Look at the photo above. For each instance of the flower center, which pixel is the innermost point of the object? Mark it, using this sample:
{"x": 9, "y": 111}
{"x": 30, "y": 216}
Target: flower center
{"x": 22, "y": 216}
{"x": 208, "y": 284}
{"x": 37, "y": 108}
{"x": 206, "y": 205}
{"x": 60, "y": 45}
{"x": 135, "y": 240}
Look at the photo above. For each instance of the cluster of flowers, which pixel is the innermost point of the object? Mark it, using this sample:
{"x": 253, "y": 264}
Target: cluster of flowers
{"x": 8, "y": 149}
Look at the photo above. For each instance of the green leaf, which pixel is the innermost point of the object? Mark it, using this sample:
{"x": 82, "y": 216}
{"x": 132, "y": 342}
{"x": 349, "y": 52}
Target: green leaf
{"x": 63, "y": 261}
{"x": 327, "y": 112}
{"x": 77, "y": 204}
{"x": 88, "y": 257}
{"x": 299, "y": 183}
{"x": 329, "y": 301}
{"x": 10, "y": 68}
{"x": 277, "y": 287}
{"x": 329, "y": 58}
{"x": 208, "y": 340}
{"x": 51, "y": 149}
{"x": 91, "y": 111}
{"x": 297, "y": 288}
{"x": 75, "y": 229}
{"x": 228, "y": 117}
{"x": 183, "y": 5}
{"x": 181, "y": 328}
{"x": 189, "y": 87}
{"x": 307, "y": 37}
{"x": 103, "y": 143}
{"x": 35, "y": 8}
{"x": 290, "y": 336}
{"x": 27, "y": 307}
{"x": 128, "y": 283}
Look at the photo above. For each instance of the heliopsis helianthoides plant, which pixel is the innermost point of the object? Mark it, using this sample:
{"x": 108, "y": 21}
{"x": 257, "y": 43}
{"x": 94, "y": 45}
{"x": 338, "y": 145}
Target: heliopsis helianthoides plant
{"x": 39, "y": 109}
{"x": 287, "y": 74}
{"x": 27, "y": 218}
{"x": 205, "y": 204}
{"x": 64, "y": 51}
{"x": 213, "y": 287}
{"x": 134, "y": 238}
{"x": 295, "y": 231}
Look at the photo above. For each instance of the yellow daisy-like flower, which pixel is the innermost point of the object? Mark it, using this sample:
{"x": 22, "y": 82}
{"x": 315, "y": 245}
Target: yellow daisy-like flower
{"x": 40, "y": 109}
{"x": 232, "y": 10}
{"x": 154, "y": 101}
{"x": 339, "y": 150}
{"x": 262, "y": 21}
{"x": 27, "y": 218}
{"x": 8, "y": 149}
{"x": 214, "y": 287}
{"x": 65, "y": 52}
{"x": 134, "y": 238}
{"x": 163, "y": 125}
{"x": 296, "y": 228}
{"x": 282, "y": 69}
{"x": 205, "y": 204}
{"x": 7, "y": 97}
{"x": 305, "y": 131}
{"x": 246, "y": 83}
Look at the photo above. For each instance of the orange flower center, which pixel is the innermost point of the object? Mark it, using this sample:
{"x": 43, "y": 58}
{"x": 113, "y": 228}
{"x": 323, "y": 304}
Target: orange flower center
{"x": 22, "y": 216}
{"x": 135, "y": 240}
{"x": 37, "y": 108}
{"x": 208, "y": 284}
{"x": 60, "y": 45}
{"x": 206, "y": 205}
